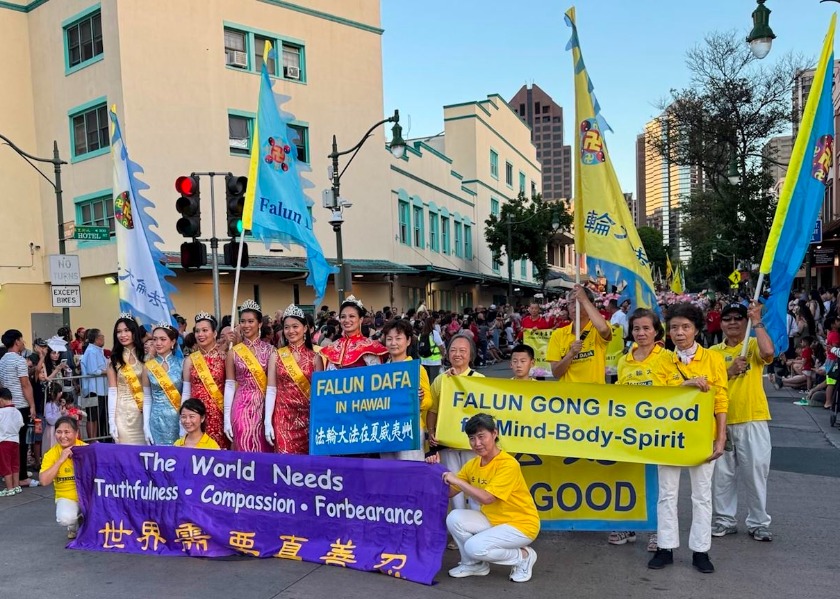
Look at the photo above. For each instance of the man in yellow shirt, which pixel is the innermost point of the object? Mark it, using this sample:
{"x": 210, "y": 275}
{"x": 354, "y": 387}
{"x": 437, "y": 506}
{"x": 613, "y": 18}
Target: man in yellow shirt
{"x": 580, "y": 360}
{"x": 746, "y": 425}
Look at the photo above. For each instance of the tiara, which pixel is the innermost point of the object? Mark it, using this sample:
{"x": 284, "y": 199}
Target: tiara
{"x": 351, "y": 299}
{"x": 250, "y": 304}
{"x": 293, "y": 310}
{"x": 162, "y": 325}
{"x": 204, "y": 316}
{"x": 128, "y": 315}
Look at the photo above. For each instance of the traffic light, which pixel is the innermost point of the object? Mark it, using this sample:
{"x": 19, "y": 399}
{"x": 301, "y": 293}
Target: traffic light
{"x": 193, "y": 255}
{"x": 188, "y": 206}
{"x": 235, "y": 202}
{"x": 231, "y": 253}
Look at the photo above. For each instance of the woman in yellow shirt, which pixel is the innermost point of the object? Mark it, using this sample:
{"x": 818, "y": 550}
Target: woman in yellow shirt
{"x": 57, "y": 468}
{"x": 502, "y": 531}
{"x": 706, "y": 370}
{"x": 194, "y": 421}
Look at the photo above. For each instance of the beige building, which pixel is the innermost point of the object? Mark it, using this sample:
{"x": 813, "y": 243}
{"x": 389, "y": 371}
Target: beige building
{"x": 184, "y": 77}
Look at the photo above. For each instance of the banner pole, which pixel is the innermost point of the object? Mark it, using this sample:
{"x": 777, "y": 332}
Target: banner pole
{"x": 236, "y": 284}
{"x": 757, "y": 294}
{"x": 577, "y": 303}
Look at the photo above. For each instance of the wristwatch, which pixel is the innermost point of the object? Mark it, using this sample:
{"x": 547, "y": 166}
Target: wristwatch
{"x": 758, "y": 325}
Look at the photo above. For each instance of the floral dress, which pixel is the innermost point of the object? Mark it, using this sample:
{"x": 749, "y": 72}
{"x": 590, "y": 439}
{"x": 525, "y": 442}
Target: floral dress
{"x": 249, "y": 401}
{"x": 215, "y": 420}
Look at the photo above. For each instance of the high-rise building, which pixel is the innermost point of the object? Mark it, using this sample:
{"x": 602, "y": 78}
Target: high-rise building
{"x": 545, "y": 118}
{"x": 632, "y": 206}
{"x": 777, "y": 152}
{"x": 641, "y": 209}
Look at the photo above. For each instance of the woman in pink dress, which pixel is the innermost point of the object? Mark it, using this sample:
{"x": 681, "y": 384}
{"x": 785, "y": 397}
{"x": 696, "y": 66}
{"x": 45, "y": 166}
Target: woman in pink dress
{"x": 204, "y": 377}
{"x": 289, "y": 376}
{"x": 246, "y": 382}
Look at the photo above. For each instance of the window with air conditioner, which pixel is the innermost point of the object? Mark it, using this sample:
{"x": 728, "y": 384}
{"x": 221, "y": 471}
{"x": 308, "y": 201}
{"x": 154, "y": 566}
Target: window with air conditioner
{"x": 292, "y": 62}
{"x": 235, "y": 49}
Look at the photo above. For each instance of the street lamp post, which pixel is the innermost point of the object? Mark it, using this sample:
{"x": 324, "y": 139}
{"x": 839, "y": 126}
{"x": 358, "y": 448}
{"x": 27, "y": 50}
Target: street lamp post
{"x": 761, "y": 36}
{"x": 56, "y": 161}
{"x": 555, "y": 225}
{"x": 336, "y": 204}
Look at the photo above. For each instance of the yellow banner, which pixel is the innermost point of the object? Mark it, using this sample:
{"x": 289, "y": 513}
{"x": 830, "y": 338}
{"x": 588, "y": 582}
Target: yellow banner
{"x": 576, "y": 494}
{"x": 206, "y": 378}
{"x": 169, "y": 389}
{"x": 538, "y": 339}
{"x": 615, "y": 348}
{"x": 625, "y": 423}
{"x": 253, "y": 365}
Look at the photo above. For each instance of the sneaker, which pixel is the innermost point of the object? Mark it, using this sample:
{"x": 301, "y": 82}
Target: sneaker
{"x": 17, "y": 490}
{"x": 761, "y": 534}
{"x": 521, "y": 572}
{"x": 802, "y": 402}
{"x": 662, "y": 558}
{"x": 464, "y": 570}
{"x": 71, "y": 532}
{"x": 701, "y": 561}
{"x": 7, "y": 492}
{"x": 653, "y": 543}
{"x": 721, "y": 530}
{"x": 621, "y": 537}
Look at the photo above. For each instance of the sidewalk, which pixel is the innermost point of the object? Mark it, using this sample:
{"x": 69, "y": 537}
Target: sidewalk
{"x": 804, "y": 490}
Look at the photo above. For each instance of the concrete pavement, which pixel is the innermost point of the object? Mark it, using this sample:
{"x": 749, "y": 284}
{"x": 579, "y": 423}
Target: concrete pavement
{"x": 804, "y": 496}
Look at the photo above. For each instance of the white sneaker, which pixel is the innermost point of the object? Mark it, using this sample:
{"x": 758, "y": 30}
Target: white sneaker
{"x": 521, "y": 572}
{"x": 464, "y": 570}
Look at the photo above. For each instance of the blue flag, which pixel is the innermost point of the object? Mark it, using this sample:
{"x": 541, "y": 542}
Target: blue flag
{"x": 276, "y": 208}
{"x": 802, "y": 195}
{"x": 141, "y": 265}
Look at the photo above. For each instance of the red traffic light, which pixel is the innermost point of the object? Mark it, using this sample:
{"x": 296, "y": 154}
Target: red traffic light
{"x": 186, "y": 186}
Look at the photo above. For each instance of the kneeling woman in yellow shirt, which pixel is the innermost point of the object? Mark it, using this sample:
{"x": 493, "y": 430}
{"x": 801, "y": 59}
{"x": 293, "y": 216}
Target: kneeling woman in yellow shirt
{"x": 57, "y": 468}
{"x": 193, "y": 421}
{"x": 501, "y": 533}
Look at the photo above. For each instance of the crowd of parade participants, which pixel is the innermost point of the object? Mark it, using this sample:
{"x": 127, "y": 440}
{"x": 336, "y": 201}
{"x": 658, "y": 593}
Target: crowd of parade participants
{"x": 245, "y": 386}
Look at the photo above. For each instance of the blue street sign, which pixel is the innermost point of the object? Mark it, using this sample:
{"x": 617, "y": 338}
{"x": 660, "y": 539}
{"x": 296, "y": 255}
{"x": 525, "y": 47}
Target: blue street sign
{"x": 816, "y": 236}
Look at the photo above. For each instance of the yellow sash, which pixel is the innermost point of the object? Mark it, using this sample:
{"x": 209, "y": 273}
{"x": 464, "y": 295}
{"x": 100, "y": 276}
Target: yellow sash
{"x": 134, "y": 384}
{"x": 206, "y": 378}
{"x": 253, "y": 365}
{"x": 294, "y": 370}
{"x": 169, "y": 388}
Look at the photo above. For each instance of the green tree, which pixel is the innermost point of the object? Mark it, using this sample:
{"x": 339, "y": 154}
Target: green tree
{"x": 719, "y": 126}
{"x": 654, "y": 247}
{"x": 531, "y": 230}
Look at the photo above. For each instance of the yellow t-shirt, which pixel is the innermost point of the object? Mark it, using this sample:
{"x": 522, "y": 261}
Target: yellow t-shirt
{"x": 709, "y": 364}
{"x": 747, "y": 400}
{"x": 204, "y": 443}
{"x": 436, "y": 385}
{"x": 588, "y": 366}
{"x": 64, "y": 482}
{"x": 502, "y": 478}
{"x": 657, "y": 369}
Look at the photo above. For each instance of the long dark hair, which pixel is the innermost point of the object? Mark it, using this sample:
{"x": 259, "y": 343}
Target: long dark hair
{"x": 805, "y": 312}
{"x": 117, "y": 361}
{"x": 429, "y": 324}
{"x": 307, "y": 334}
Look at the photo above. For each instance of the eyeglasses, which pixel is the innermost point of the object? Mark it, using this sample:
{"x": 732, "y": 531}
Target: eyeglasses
{"x": 731, "y": 318}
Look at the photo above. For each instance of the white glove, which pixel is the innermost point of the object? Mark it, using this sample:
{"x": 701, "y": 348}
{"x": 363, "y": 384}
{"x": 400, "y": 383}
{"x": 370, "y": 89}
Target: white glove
{"x": 270, "y": 398}
{"x": 230, "y": 390}
{"x": 112, "y": 413}
{"x": 147, "y": 415}
{"x": 186, "y": 391}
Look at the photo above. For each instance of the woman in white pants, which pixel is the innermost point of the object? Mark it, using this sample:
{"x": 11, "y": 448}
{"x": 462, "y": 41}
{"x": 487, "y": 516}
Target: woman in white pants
{"x": 57, "y": 468}
{"x": 507, "y": 523}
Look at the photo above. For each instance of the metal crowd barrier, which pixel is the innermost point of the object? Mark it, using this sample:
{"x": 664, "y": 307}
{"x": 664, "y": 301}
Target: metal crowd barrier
{"x": 92, "y": 411}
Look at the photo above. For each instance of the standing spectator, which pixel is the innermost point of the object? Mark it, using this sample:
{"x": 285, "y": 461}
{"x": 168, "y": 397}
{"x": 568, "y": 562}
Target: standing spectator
{"x": 95, "y": 387}
{"x": 14, "y": 375}
{"x": 713, "y": 331}
{"x": 11, "y": 424}
{"x": 618, "y": 315}
{"x": 430, "y": 346}
{"x": 77, "y": 346}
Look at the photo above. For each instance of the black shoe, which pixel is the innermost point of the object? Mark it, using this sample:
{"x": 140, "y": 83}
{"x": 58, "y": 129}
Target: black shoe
{"x": 701, "y": 562}
{"x": 660, "y": 559}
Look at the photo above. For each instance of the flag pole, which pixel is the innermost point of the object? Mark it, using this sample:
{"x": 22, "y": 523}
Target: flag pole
{"x": 757, "y": 294}
{"x": 577, "y": 302}
{"x": 236, "y": 283}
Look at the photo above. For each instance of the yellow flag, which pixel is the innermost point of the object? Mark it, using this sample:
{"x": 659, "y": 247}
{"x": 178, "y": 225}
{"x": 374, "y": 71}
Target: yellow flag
{"x": 604, "y": 228}
{"x": 669, "y": 271}
{"x": 677, "y": 284}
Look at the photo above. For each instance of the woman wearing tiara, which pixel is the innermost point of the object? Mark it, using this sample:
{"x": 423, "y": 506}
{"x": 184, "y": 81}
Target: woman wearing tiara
{"x": 352, "y": 348}
{"x": 246, "y": 382}
{"x": 125, "y": 390}
{"x": 289, "y": 375}
{"x": 162, "y": 389}
{"x": 204, "y": 377}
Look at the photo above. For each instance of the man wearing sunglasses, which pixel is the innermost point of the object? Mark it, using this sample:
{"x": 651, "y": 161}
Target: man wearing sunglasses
{"x": 748, "y": 459}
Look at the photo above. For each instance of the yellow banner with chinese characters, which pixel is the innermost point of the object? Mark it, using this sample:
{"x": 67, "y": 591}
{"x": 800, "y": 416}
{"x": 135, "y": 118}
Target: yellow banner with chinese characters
{"x": 538, "y": 340}
{"x": 625, "y": 423}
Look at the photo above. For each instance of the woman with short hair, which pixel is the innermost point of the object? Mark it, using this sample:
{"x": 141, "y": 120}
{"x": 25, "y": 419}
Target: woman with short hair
{"x": 193, "y": 419}
{"x": 502, "y": 531}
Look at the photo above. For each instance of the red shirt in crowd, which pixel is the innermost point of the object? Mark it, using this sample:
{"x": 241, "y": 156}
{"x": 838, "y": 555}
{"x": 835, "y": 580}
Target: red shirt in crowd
{"x": 807, "y": 358}
{"x": 541, "y": 322}
{"x": 713, "y": 321}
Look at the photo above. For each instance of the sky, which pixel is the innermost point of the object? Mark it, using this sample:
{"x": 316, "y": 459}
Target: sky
{"x": 438, "y": 52}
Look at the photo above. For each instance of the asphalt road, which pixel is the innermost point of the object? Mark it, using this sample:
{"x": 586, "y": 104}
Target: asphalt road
{"x": 803, "y": 499}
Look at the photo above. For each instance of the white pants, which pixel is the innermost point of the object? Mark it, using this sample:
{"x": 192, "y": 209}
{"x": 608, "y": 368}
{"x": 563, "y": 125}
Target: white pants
{"x": 480, "y": 541}
{"x": 749, "y": 462}
{"x": 67, "y": 513}
{"x": 453, "y": 460}
{"x": 409, "y": 455}
{"x": 668, "y": 529}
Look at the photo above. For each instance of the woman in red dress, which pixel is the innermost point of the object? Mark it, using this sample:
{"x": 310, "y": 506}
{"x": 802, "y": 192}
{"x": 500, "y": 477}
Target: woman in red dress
{"x": 352, "y": 348}
{"x": 204, "y": 377}
{"x": 290, "y": 371}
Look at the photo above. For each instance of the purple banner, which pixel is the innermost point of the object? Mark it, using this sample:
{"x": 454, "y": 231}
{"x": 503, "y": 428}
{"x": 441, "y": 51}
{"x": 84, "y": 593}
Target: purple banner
{"x": 374, "y": 515}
